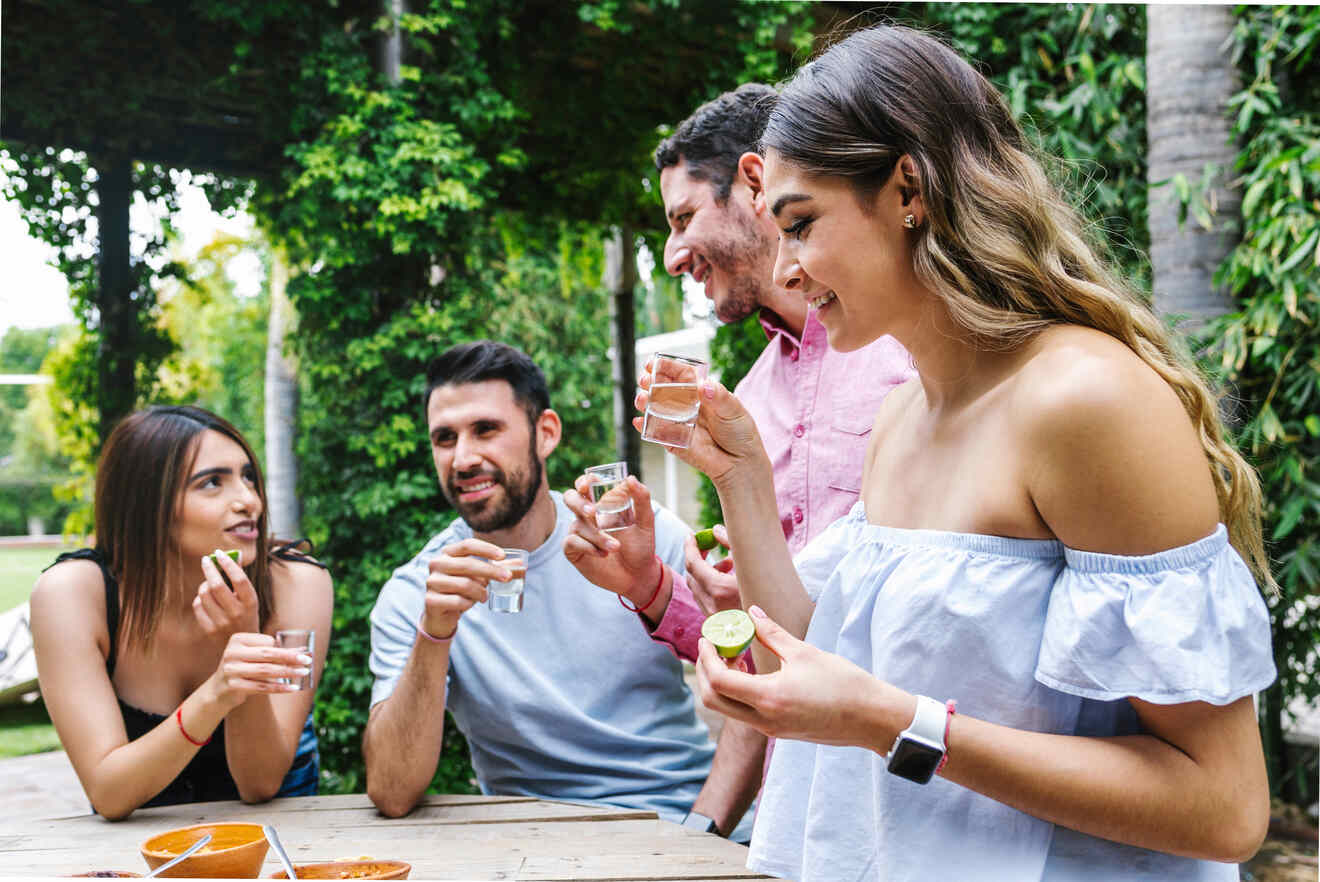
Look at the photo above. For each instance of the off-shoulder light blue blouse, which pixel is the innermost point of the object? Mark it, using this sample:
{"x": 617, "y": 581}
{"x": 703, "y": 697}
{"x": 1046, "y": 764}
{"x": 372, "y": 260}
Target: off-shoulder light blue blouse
{"x": 1024, "y": 633}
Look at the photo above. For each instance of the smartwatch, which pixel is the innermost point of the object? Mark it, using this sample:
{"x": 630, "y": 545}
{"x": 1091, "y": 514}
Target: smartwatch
{"x": 919, "y": 748}
{"x": 700, "y": 822}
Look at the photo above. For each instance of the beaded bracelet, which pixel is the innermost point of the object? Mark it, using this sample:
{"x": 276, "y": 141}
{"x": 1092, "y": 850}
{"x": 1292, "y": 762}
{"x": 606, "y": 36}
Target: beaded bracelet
{"x": 178, "y": 715}
{"x": 421, "y": 629}
{"x": 654, "y": 594}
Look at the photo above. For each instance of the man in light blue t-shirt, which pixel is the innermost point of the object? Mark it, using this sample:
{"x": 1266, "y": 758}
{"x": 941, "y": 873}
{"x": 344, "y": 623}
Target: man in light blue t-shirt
{"x": 567, "y": 699}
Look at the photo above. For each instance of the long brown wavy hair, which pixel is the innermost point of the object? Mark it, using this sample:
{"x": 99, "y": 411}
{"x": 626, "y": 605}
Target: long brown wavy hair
{"x": 1001, "y": 247}
{"x": 140, "y": 480}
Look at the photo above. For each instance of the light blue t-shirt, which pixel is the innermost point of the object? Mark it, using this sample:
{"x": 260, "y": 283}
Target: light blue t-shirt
{"x": 1023, "y": 633}
{"x": 569, "y": 699}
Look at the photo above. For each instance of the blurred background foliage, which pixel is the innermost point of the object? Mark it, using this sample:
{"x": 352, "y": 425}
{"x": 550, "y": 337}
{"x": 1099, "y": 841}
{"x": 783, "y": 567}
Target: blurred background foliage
{"x": 470, "y": 193}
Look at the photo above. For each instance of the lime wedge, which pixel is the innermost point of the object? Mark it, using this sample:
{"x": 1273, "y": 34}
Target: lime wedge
{"x": 731, "y": 631}
{"x": 706, "y": 539}
{"x": 233, "y": 555}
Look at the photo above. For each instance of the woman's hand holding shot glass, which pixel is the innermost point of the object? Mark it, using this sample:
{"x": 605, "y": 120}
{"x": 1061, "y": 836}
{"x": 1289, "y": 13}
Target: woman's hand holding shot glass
{"x": 726, "y": 447}
{"x": 251, "y": 662}
{"x": 724, "y": 443}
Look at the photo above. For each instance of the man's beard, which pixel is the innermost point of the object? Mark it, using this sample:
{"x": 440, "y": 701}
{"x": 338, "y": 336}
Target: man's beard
{"x": 746, "y": 258}
{"x": 493, "y": 514}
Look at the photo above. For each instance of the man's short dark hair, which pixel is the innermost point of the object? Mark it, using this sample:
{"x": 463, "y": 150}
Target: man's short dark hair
{"x": 483, "y": 360}
{"x": 716, "y": 134}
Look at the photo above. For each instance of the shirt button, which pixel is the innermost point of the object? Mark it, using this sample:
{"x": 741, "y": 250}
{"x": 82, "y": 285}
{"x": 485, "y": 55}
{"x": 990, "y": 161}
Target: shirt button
{"x": 680, "y": 631}
{"x": 797, "y": 515}
{"x": 793, "y": 356}
{"x": 799, "y": 430}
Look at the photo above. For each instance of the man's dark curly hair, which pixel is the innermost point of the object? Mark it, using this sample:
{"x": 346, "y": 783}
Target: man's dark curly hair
{"x": 716, "y": 134}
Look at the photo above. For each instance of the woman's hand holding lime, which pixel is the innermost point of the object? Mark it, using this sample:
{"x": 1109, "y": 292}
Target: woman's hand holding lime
{"x": 220, "y": 609}
{"x": 813, "y": 696}
{"x": 622, "y": 561}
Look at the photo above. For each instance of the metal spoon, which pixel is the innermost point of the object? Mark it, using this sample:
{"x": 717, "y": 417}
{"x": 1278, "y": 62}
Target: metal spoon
{"x": 274, "y": 839}
{"x": 183, "y": 854}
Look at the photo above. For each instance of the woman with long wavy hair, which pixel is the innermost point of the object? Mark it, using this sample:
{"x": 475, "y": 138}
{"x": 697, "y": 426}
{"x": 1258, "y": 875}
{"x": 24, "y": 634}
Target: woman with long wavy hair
{"x": 1030, "y": 650}
{"x": 157, "y": 658}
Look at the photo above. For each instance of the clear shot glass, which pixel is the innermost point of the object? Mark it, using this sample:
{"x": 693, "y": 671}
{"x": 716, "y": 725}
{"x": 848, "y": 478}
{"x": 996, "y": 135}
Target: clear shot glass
{"x": 675, "y": 399}
{"x": 304, "y": 640}
{"x": 609, "y": 494}
{"x": 507, "y": 596}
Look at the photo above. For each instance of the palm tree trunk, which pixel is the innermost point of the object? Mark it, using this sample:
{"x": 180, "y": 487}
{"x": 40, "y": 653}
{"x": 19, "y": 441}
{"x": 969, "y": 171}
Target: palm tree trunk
{"x": 281, "y": 409}
{"x": 621, "y": 281}
{"x": 1189, "y": 80}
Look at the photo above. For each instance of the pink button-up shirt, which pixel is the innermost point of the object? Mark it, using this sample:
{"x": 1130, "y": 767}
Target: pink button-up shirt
{"x": 814, "y": 407}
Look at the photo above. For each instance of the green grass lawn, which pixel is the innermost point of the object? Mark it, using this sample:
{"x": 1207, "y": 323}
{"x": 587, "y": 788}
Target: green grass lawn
{"x": 24, "y": 728}
{"x": 19, "y": 568}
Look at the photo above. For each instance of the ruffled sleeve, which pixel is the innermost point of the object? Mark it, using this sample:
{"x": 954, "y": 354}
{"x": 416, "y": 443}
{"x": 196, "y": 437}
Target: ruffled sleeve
{"x": 1187, "y": 624}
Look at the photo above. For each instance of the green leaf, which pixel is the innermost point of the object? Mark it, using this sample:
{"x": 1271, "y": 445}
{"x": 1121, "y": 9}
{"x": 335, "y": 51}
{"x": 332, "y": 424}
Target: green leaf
{"x": 1289, "y": 517}
{"x": 1253, "y": 195}
{"x": 1301, "y": 252}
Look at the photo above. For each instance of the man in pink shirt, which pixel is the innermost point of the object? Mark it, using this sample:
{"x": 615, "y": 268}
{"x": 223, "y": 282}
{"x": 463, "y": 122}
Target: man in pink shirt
{"x": 813, "y": 406}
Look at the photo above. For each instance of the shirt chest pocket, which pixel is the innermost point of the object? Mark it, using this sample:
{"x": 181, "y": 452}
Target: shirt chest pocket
{"x": 851, "y": 415}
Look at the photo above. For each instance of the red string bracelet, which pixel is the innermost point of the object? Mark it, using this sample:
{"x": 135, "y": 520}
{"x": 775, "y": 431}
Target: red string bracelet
{"x": 421, "y": 629}
{"x": 654, "y": 594}
{"x": 952, "y": 707}
{"x": 178, "y": 715}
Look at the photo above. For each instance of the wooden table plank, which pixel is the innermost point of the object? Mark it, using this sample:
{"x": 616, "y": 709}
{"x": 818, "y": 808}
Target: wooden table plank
{"x": 447, "y": 837}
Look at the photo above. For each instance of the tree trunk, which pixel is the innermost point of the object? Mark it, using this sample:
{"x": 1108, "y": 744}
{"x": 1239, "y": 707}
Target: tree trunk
{"x": 391, "y": 42}
{"x": 281, "y": 410}
{"x": 1189, "y": 79}
{"x": 621, "y": 281}
{"x": 116, "y": 392}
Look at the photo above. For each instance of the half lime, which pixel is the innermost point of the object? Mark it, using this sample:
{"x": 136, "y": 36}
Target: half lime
{"x": 731, "y": 631}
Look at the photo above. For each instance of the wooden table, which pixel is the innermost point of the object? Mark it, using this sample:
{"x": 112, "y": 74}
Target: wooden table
{"x": 445, "y": 837}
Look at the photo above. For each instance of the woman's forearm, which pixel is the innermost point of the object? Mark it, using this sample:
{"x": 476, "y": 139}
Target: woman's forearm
{"x": 132, "y": 774}
{"x": 259, "y": 748}
{"x": 1201, "y": 800}
{"x": 766, "y": 576}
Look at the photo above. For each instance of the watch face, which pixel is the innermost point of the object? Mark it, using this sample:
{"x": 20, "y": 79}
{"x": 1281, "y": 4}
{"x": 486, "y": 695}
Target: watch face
{"x": 914, "y": 760}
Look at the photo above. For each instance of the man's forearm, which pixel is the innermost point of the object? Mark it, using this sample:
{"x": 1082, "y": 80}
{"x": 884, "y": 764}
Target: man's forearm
{"x": 735, "y": 776}
{"x": 402, "y": 741}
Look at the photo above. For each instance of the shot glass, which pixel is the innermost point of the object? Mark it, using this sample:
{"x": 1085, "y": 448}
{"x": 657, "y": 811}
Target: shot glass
{"x": 507, "y": 596}
{"x": 675, "y": 399}
{"x": 305, "y": 640}
{"x": 609, "y": 494}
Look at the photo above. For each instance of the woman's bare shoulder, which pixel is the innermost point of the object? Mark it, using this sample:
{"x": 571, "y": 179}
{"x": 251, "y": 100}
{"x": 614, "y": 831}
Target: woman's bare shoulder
{"x": 70, "y": 581}
{"x": 70, "y": 593}
{"x": 299, "y": 575}
{"x": 1117, "y": 463}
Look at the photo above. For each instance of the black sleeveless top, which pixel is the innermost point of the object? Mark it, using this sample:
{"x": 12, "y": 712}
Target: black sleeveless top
{"x": 206, "y": 778}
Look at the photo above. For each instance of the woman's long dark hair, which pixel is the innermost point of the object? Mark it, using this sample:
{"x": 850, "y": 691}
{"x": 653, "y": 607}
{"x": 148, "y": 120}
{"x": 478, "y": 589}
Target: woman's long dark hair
{"x": 140, "y": 480}
{"x": 999, "y": 246}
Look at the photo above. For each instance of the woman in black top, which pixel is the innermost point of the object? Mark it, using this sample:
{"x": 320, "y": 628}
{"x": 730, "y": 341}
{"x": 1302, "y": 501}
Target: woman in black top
{"x": 159, "y": 667}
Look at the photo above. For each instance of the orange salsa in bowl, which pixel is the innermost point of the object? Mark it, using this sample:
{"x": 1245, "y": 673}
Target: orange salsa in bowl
{"x": 366, "y": 869}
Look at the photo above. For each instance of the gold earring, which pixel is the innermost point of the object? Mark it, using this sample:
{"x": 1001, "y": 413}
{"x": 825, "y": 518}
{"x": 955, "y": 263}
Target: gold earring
{"x": 910, "y": 221}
